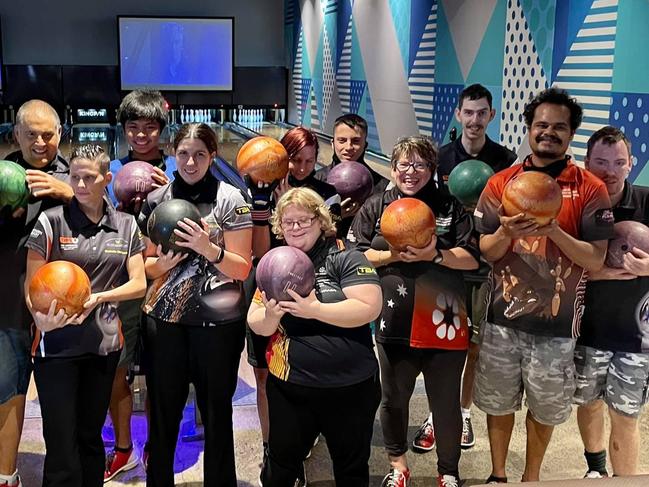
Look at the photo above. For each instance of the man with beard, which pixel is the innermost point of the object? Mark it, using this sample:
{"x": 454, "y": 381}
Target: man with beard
{"x": 474, "y": 113}
{"x": 612, "y": 354}
{"x": 38, "y": 133}
{"x": 531, "y": 349}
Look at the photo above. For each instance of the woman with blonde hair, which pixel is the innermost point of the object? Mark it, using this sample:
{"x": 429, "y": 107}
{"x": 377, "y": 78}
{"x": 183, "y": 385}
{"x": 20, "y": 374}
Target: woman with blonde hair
{"x": 323, "y": 371}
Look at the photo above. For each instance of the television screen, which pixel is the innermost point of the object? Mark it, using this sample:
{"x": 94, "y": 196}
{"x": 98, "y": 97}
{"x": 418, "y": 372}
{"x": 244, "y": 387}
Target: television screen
{"x": 176, "y": 54}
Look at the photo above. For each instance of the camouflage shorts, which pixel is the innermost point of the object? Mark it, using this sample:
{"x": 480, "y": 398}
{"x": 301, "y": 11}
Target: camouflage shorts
{"x": 619, "y": 378}
{"x": 512, "y": 362}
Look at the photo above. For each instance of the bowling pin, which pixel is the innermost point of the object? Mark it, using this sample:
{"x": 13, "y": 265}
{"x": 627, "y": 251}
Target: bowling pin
{"x": 182, "y": 115}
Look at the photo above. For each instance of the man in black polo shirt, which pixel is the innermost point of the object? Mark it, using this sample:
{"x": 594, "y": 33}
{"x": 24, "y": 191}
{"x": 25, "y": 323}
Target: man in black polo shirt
{"x": 474, "y": 113}
{"x": 349, "y": 144}
{"x": 38, "y": 133}
{"x": 612, "y": 354}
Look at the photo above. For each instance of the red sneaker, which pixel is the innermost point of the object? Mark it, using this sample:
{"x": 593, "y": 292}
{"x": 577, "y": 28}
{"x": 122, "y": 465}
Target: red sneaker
{"x": 14, "y": 482}
{"x": 117, "y": 462}
{"x": 396, "y": 478}
{"x": 424, "y": 438}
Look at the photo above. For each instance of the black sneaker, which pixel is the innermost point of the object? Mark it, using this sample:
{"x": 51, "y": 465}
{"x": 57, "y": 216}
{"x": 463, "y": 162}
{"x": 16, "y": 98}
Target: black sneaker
{"x": 594, "y": 474}
{"x": 468, "y": 439}
{"x": 424, "y": 440}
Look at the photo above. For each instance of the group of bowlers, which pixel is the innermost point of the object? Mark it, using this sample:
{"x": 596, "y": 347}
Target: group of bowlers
{"x": 492, "y": 308}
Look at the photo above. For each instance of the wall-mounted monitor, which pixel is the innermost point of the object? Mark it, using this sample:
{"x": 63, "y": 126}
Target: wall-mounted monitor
{"x": 176, "y": 54}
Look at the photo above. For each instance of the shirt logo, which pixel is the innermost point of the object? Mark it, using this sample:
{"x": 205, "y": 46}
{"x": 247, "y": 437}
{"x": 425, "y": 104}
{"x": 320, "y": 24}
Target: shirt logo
{"x": 363, "y": 271}
{"x": 35, "y": 233}
{"x": 242, "y": 210}
{"x": 68, "y": 240}
{"x": 604, "y": 217}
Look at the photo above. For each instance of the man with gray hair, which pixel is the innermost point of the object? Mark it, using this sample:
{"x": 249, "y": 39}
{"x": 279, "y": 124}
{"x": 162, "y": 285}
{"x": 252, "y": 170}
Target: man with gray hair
{"x": 38, "y": 133}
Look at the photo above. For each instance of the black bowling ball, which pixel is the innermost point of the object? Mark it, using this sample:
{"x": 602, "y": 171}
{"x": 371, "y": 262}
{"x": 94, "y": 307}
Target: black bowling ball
{"x": 164, "y": 220}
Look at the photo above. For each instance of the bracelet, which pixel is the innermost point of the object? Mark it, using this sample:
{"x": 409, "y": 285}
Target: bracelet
{"x": 220, "y": 257}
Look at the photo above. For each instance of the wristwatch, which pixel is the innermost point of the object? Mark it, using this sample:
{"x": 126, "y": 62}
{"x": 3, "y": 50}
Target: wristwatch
{"x": 439, "y": 257}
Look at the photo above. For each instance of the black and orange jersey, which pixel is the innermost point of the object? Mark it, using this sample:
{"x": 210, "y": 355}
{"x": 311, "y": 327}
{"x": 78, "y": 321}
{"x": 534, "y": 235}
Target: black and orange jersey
{"x": 423, "y": 302}
{"x": 535, "y": 287}
{"x": 102, "y": 250}
{"x": 316, "y": 354}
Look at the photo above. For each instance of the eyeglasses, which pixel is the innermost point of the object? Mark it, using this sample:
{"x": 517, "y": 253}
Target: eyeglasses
{"x": 301, "y": 223}
{"x": 417, "y": 166}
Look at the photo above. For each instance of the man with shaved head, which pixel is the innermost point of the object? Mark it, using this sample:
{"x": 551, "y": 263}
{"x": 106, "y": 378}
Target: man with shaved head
{"x": 38, "y": 133}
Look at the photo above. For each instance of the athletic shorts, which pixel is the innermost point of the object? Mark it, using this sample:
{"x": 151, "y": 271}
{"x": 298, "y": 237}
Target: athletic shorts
{"x": 476, "y": 303}
{"x": 15, "y": 363}
{"x": 619, "y": 378}
{"x": 256, "y": 348}
{"x": 512, "y": 362}
{"x": 130, "y": 315}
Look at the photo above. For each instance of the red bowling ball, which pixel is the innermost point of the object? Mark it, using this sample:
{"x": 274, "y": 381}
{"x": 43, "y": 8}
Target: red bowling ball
{"x": 61, "y": 280}
{"x": 408, "y": 222}
{"x": 534, "y": 193}
{"x": 284, "y": 268}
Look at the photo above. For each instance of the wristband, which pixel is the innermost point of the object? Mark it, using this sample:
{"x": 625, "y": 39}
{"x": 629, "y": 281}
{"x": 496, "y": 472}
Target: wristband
{"x": 220, "y": 257}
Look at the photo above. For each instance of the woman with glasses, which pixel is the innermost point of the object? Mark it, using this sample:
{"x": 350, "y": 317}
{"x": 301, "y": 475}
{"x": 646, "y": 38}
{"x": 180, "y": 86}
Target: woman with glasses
{"x": 323, "y": 372}
{"x": 195, "y": 310}
{"x": 423, "y": 324}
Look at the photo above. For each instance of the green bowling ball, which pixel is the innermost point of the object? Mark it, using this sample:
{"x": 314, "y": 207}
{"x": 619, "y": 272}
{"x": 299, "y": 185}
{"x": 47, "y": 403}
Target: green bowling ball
{"x": 13, "y": 187}
{"x": 468, "y": 179}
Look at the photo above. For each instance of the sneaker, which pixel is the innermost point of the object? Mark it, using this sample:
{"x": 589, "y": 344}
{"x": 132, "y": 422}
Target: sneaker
{"x": 468, "y": 439}
{"x": 396, "y": 478}
{"x": 424, "y": 438}
{"x": 448, "y": 481}
{"x": 14, "y": 482}
{"x": 117, "y": 462}
{"x": 594, "y": 474}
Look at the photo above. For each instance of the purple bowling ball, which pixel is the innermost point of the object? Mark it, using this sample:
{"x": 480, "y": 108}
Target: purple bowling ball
{"x": 284, "y": 268}
{"x": 628, "y": 234}
{"x": 352, "y": 180}
{"x": 132, "y": 181}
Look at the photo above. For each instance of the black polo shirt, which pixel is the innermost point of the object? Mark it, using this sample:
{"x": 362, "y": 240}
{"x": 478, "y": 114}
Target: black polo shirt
{"x": 195, "y": 292}
{"x": 450, "y": 155}
{"x": 616, "y": 315}
{"x": 102, "y": 250}
{"x": 423, "y": 302}
{"x": 13, "y": 255}
{"x": 316, "y": 354}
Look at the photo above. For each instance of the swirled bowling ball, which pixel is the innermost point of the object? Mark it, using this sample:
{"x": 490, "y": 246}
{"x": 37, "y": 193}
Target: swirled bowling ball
{"x": 263, "y": 159}
{"x": 284, "y": 268}
{"x": 164, "y": 220}
{"x": 468, "y": 179}
{"x": 534, "y": 193}
{"x": 628, "y": 234}
{"x": 133, "y": 180}
{"x": 352, "y": 180}
{"x": 13, "y": 186}
{"x": 61, "y": 280}
{"x": 408, "y": 222}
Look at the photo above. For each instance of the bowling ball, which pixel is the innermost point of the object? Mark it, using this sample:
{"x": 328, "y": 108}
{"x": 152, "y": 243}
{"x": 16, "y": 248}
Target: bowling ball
{"x": 13, "y": 187}
{"x": 164, "y": 220}
{"x": 408, "y": 222}
{"x": 628, "y": 234}
{"x": 132, "y": 181}
{"x": 285, "y": 268}
{"x": 534, "y": 193}
{"x": 352, "y": 180}
{"x": 61, "y": 280}
{"x": 468, "y": 179}
{"x": 263, "y": 159}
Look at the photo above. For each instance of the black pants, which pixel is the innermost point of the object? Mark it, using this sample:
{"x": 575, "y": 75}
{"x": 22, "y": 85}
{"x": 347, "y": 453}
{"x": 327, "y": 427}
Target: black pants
{"x": 345, "y": 417}
{"x": 442, "y": 370}
{"x": 208, "y": 357}
{"x": 74, "y": 394}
